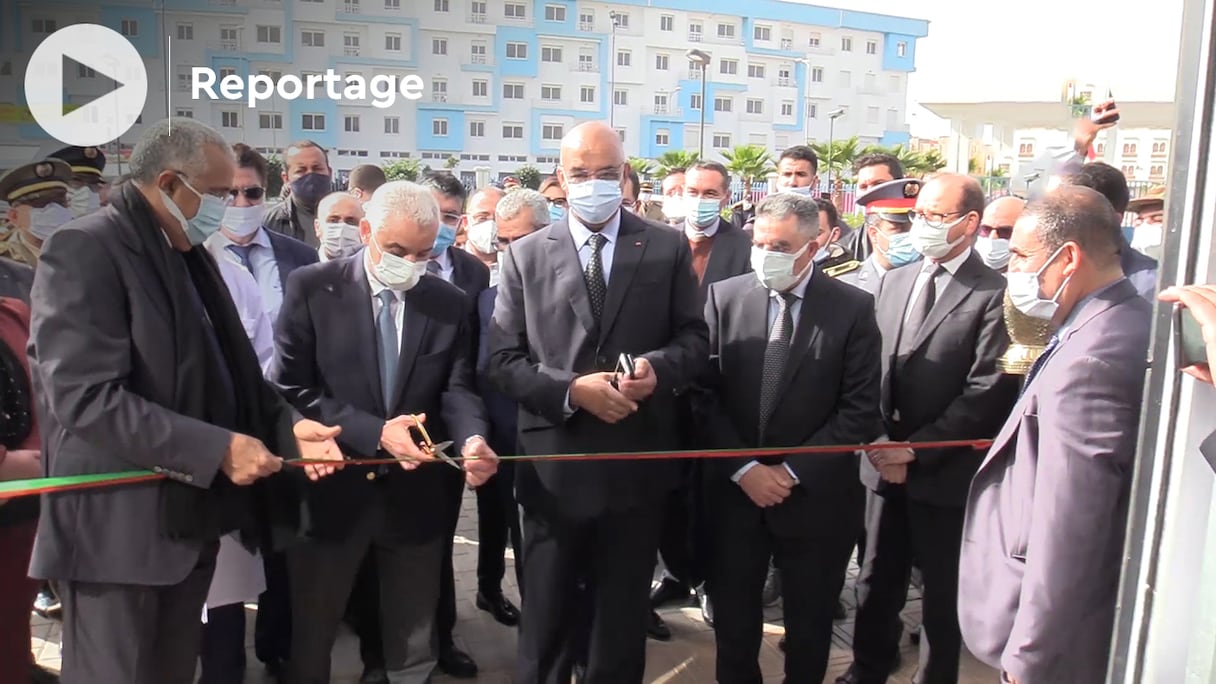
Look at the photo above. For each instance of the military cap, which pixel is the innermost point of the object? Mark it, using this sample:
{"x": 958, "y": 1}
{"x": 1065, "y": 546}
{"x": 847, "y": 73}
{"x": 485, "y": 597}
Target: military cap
{"x": 891, "y": 200}
{"x": 85, "y": 161}
{"x": 40, "y": 176}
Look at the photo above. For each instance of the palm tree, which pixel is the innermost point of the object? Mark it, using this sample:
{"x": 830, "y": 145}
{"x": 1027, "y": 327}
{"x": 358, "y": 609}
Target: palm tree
{"x": 643, "y": 167}
{"x": 932, "y": 161}
{"x": 839, "y": 157}
{"x": 749, "y": 163}
{"x": 674, "y": 159}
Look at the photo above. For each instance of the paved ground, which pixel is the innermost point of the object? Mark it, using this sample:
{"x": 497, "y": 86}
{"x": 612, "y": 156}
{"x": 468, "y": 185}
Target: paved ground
{"x": 687, "y": 659}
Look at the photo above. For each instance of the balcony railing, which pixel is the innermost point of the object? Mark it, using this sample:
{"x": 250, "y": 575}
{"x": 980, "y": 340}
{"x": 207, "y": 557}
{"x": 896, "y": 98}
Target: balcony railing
{"x": 666, "y": 110}
{"x": 695, "y": 36}
{"x": 586, "y": 26}
{"x": 478, "y": 59}
{"x": 477, "y": 18}
{"x": 786, "y": 82}
{"x": 586, "y": 67}
{"x": 787, "y": 43}
{"x": 227, "y": 45}
{"x": 351, "y": 8}
{"x": 693, "y": 75}
{"x": 351, "y": 50}
{"x": 439, "y": 97}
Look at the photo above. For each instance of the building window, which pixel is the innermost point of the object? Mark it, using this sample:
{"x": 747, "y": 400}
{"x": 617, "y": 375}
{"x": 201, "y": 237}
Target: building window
{"x": 1129, "y": 149}
{"x": 621, "y": 20}
{"x": 392, "y": 125}
{"x": 871, "y": 47}
{"x": 624, "y": 58}
{"x": 226, "y": 72}
{"x": 555, "y": 13}
{"x": 846, "y": 79}
{"x": 721, "y": 140}
{"x": 552, "y": 131}
{"x": 1026, "y": 149}
{"x": 1156, "y": 171}
{"x": 667, "y": 23}
{"x": 312, "y": 39}
{"x": 351, "y": 123}
{"x": 694, "y": 101}
{"x": 184, "y": 113}
{"x": 620, "y": 98}
{"x": 517, "y": 50}
{"x": 764, "y": 33}
{"x": 1129, "y": 171}
{"x": 586, "y": 20}
{"x": 129, "y": 27}
{"x": 892, "y": 118}
{"x": 787, "y": 109}
{"x": 896, "y": 83}
{"x": 815, "y": 40}
{"x": 350, "y": 43}
{"x": 439, "y": 127}
{"x": 230, "y": 119}
{"x": 901, "y": 49}
{"x": 477, "y": 9}
{"x": 871, "y": 115}
{"x": 1101, "y": 149}
{"x": 728, "y": 67}
{"x": 312, "y": 122}
{"x": 755, "y": 106}
{"x": 661, "y": 62}
{"x": 723, "y": 104}
{"x": 513, "y": 131}
{"x": 816, "y": 74}
{"x": 392, "y": 4}
{"x": 185, "y": 31}
{"x": 1159, "y": 147}
{"x": 695, "y": 32}
{"x": 726, "y": 31}
{"x": 662, "y": 137}
{"x": 871, "y": 83}
{"x": 551, "y": 54}
{"x": 550, "y": 93}
{"x": 512, "y": 91}
{"x": 812, "y": 110}
{"x": 45, "y": 26}
{"x": 517, "y": 11}
{"x": 442, "y": 6}
{"x": 439, "y": 46}
{"x": 270, "y": 34}
{"x": 439, "y": 90}
{"x": 481, "y": 88}
{"x": 477, "y": 129}
{"x": 587, "y": 95}
{"x": 755, "y": 71}
{"x": 270, "y": 121}
{"x": 621, "y": 132}
{"x": 846, "y": 44}
{"x": 392, "y": 42}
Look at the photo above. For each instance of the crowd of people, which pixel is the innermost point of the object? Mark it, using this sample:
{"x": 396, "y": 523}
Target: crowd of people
{"x": 319, "y": 382}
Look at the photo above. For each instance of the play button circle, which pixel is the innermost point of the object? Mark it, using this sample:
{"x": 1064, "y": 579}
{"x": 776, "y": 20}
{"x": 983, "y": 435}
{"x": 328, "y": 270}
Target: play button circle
{"x": 100, "y": 115}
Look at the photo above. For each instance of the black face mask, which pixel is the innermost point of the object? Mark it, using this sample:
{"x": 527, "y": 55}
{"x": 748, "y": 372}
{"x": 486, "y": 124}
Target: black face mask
{"x": 308, "y": 190}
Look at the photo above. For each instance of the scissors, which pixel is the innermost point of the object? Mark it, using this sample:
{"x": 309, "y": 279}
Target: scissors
{"x": 438, "y": 450}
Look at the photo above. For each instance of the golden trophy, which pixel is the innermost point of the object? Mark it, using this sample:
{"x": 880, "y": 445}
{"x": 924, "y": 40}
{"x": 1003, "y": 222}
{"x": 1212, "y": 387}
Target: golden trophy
{"x": 1028, "y": 338}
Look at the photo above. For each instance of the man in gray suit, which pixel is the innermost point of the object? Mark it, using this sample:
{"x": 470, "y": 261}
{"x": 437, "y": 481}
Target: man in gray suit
{"x": 1043, "y": 537}
{"x": 139, "y": 360}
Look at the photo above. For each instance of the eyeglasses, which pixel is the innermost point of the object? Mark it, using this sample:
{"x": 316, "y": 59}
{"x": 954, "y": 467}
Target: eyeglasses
{"x": 252, "y": 194}
{"x": 558, "y": 202}
{"x": 1002, "y": 232}
{"x": 933, "y": 219}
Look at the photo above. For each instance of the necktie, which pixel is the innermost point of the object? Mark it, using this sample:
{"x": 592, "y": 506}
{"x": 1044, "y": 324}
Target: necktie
{"x": 432, "y": 268}
{"x": 1041, "y": 361}
{"x": 597, "y": 288}
{"x": 775, "y": 355}
{"x": 386, "y": 325}
{"x": 919, "y": 310}
{"x": 242, "y": 255}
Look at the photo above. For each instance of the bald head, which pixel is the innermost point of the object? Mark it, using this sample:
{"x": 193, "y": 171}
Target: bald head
{"x": 1003, "y": 212}
{"x": 592, "y": 151}
{"x": 595, "y": 135}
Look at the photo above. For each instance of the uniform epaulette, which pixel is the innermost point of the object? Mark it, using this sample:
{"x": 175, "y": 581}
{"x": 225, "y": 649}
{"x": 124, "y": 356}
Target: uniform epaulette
{"x": 841, "y": 269}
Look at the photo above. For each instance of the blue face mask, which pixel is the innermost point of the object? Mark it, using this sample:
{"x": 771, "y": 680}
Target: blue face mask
{"x": 446, "y": 238}
{"x": 556, "y": 213}
{"x": 207, "y": 219}
{"x": 900, "y": 251}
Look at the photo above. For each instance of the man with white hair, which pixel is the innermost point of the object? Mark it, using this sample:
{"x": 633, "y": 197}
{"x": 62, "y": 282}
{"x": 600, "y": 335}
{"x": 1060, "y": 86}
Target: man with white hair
{"x": 479, "y": 217}
{"x": 369, "y": 344}
{"x": 337, "y": 225}
{"x": 139, "y": 360}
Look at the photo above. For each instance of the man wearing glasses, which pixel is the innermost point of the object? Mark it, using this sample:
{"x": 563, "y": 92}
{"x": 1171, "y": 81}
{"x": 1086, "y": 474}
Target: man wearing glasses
{"x": 996, "y": 227}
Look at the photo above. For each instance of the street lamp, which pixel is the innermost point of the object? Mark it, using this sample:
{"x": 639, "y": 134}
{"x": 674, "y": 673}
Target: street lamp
{"x": 806, "y": 128}
{"x": 613, "y": 17}
{"x": 701, "y": 57}
{"x": 832, "y": 116}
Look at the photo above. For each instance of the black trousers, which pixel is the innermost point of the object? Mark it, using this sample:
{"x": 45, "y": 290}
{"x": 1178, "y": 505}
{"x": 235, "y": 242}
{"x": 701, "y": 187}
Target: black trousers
{"x": 611, "y": 557}
{"x": 272, "y": 625}
{"x": 899, "y": 530}
{"x": 497, "y": 524}
{"x": 809, "y": 549}
{"x": 222, "y": 658}
{"x": 135, "y": 634}
{"x": 681, "y": 541}
{"x": 445, "y": 613}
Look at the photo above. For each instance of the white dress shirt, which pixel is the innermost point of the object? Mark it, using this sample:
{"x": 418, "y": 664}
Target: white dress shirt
{"x": 929, "y": 267}
{"x": 690, "y": 231}
{"x": 262, "y": 262}
{"x": 582, "y": 242}
{"x": 774, "y": 308}
{"x": 446, "y": 266}
{"x": 248, "y": 300}
{"x": 377, "y": 287}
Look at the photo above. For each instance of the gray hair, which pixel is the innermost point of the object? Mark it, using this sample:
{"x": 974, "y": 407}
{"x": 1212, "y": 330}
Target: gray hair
{"x": 333, "y": 197}
{"x": 402, "y": 198}
{"x": 524, "y": 198}
{"x": 784, "y": 205}
{"x": 177, "y": 143}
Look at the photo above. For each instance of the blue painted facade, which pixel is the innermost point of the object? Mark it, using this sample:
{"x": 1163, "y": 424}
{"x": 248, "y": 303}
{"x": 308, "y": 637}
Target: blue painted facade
{"x": 895, "y": 138}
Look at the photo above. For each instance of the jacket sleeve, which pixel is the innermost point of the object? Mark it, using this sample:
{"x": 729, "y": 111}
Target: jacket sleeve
{"x": 463, "y": 410}
{"x": 684, "y": 357}
{"x": 712, "y": 420}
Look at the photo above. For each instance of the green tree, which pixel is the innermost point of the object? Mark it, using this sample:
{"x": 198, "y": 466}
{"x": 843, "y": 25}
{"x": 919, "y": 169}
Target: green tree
{"x": 451, "y": 162}
{"x": 645, "y": 168}
{"x": 749, "y": 163}
{"x": 274, "y": 176}
{"x": 839, "y": 157}
{"x": 674, "y": 159}
{"x": 932, "y": 161}
{"x": 529, "y": 176}
{"x": 404, "y": 169}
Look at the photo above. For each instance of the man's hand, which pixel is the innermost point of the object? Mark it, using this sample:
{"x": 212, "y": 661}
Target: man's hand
{"x": 594, "y": 393}
{"x": 1200, "y": 302}
{"x": 885, "y": 457}
{"x": 1086, "y": 130}
{"x": 316, "y": 443}
{"x": 480, "y": 462}
{"x": 767, "y": 485}
{"x": 248, "y": 460}
{"x": 642, "y": 385}
{"x": 395, "y": 438}
{"x": 895, "y": 474}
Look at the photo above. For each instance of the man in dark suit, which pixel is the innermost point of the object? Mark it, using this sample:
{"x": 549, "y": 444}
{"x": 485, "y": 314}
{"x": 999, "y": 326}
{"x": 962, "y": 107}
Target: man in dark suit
{"x": 795, "y": 359}
{"x": 943, "y": 331}
{"x": 414, "y": 363}
{"x": 140, "y": 360}
{"x": 307, "y": 177}
{"x": 1037, "y": 591}
{"x": 573, "y": 298}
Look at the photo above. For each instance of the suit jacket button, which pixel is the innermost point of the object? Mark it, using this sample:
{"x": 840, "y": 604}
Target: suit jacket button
{"x": 601, "y": 361}
{"x": 371, "y": 476}
{"x": 189, "y": 478}
{"x": 157, "y": 469}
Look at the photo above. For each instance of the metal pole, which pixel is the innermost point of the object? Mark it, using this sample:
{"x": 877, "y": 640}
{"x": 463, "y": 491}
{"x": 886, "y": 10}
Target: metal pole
{"x": 704, "y": 77}
{"x": 612, "y": 76}
{"x": 831, "y": 143}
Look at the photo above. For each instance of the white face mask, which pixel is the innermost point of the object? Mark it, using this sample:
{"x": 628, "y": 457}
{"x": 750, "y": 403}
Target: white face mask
{"x": 483, "y": 236}
{"x": 83, "y": 201}
{"x": 935, "y": 242}
{"x": 1147, "y": 236}
{"x": 1024, "y": 292}
{"x": 805, "y": 191}
{"x": 821, "y": 256}
{"x": 995, "y": 251}
{"x": 594, "y": 201}
{"x": 48, "y": 219}
{"x": 339, "y": 239}
{"x": 243, "y": 221}
{"x": 673, "y": 208}
{"x": 776, "y": 269}
{"x": 396, "y": 273}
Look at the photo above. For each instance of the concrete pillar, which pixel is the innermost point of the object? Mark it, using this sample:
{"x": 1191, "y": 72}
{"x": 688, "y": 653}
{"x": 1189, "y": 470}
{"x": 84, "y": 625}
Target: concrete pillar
{"x": 482, "y": 177}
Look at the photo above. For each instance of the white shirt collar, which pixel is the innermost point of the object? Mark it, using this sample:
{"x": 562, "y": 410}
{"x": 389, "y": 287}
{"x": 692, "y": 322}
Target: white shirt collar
{"x": 877, "y": 266}
{"x": 956, "y": 263}
{"x": 690, "y": 231}
{"x": 582, "y": 233}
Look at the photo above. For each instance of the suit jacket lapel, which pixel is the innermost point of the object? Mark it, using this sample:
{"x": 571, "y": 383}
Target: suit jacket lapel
{"x": 569, "y": 272}
{"x": 960, "y": 285}
{"x": 358, "y": 301}
{"x": 753, "y": 325}
{"x": 716, "y": 267}
{"x": 414, "y": 325}
{"x": 812, "y": 312}
{"x": 626, "y": 255}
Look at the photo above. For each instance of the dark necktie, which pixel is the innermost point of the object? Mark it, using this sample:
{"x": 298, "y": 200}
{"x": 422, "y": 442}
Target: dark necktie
{"x": 1041, "y": 361}
{"x": 432, "y": 268}
{"x": 386, "y": 326}
{"x": 597, "y": 288}
{"x": 919, "y": 310}
{"x": 775, "y": 355}
{"x": 242, "y": 255}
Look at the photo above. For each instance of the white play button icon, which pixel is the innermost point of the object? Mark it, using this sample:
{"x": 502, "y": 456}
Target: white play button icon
{"x": 112, "y": 110}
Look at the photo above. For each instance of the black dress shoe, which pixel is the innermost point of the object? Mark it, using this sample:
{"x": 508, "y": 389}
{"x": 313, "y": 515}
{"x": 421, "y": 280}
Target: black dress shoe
{"x": 772, "y": 587}
{"x": 41, "y": 675}
{"x": 842, "y": 611}
{"x": 500, "y": 607}
{"x": 374, "y": 675}
{"x": 670, "y": 590}
{"x": 849, "y": 677}
{"x": 657, "y": 629}
{"x": 276, "y": 668}
{"x": 781, "y": 644}
{"x": 456, "y": 663}
{"x": 707, "y": 606}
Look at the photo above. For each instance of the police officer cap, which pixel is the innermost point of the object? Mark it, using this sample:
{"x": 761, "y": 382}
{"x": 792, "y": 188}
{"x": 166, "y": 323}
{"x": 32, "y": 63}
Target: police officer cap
{"x": 36, "y": 177}
{"x": 85, "y": 161}
{"x": 893, "y": 198}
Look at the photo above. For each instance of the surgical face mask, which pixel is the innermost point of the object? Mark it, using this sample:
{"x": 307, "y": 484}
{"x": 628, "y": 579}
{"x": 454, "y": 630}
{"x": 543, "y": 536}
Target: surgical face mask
{"x": 821, "y": 255}
{"x": 1146, "y": 236}
{"x": 483, "y": 236}
{"x": 339, "y": 239}
{"x": 776, "y": 269}
{"x": 594, "y": 201}
{"x": 1024, "y": 291}
{"x": 899, "y": 251}
{"x": 48, "y": 219}
{"x": 444, "y": 239}
{"x": 206, "y": 221}
{"x": 83, "y": 201}
{"x": 307, "y": 190}
{"x": 673, "y": 208}
{"x": 556, "y": 213}
{"x": 805, "y": 191}
{"x": 396, "y": 273}
{"x": 935, "y": 242}
{"x": 243, "y": 221}
{"x": 995, "y": 251}
{"x": 702, "y": 211}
